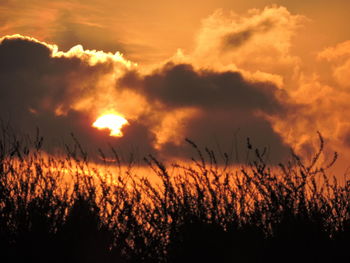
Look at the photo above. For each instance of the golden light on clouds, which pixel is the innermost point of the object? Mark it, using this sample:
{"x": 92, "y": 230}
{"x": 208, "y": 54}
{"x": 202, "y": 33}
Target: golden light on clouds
{"x": 112, "y": 122}
{"x": 271, "y": 72}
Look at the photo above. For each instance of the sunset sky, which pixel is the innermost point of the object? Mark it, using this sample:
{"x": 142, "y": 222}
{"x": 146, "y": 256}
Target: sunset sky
{"x": 214, "y": 71}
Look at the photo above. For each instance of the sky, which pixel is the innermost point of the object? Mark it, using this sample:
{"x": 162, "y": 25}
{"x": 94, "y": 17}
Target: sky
{"x": 214, "y": 71}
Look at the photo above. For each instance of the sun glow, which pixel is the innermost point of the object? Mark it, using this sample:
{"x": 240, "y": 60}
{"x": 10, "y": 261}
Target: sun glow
{"x": 111, "y": 121}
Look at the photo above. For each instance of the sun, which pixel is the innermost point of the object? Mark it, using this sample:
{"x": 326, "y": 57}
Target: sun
{"x": 111, "y": 121}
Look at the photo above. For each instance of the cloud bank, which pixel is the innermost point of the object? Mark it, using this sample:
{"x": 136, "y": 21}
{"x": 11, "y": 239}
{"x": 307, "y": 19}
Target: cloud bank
{"x": 63, "y": 92}
{"x": 241, "y": 80}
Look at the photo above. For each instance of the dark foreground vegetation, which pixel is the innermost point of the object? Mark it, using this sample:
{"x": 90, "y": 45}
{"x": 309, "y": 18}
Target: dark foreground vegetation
{"x": 64, "y": 209}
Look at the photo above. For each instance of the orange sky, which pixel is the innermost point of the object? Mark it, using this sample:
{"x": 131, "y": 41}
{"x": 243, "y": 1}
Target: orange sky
{"x": 138, "y": 27}
{"x": 214, "y": 71}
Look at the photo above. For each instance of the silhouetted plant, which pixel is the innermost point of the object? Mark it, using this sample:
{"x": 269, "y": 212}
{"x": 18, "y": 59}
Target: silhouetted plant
{"x": 66, "y": 209}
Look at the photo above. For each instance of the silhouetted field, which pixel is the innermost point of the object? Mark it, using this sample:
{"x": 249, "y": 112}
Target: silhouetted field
{"x": 63, "y": 209}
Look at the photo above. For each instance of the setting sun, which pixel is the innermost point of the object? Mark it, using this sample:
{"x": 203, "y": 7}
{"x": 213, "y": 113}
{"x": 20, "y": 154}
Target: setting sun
{"x": 174, "y": 131}
{"x": 112, "y": 122}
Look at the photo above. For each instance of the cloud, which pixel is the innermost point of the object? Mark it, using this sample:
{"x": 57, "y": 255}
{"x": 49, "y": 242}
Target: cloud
{"x": 237, "y": 39}
{"x": 258, "y": 41}
{"x": 323, "y": 98}
{"x": 241, "y": 79}
{"x": 36, "y": 76}
{"x": 61, "y": 92}
{"x": 182, "y": 86}
{"x": 259, "y": 46}
{"x": 64, "y": 92}
{"x": 217, "y": 104}
{"x": 331, "y": 53}
{"x": 339, "y": 57}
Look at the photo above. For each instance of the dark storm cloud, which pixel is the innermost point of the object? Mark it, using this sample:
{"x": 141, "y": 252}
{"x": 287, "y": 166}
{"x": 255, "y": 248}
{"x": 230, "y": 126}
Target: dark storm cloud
{"x": 181, "y": 86}
{"x": 32, "y": 79}
{"x": 237, "y": 39}
{"x": 34, "y": 84}
{"x": 227, "y": 101}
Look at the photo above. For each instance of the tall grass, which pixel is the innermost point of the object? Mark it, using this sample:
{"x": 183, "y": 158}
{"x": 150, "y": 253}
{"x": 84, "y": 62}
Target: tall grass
{"x": 66, "y": 209}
